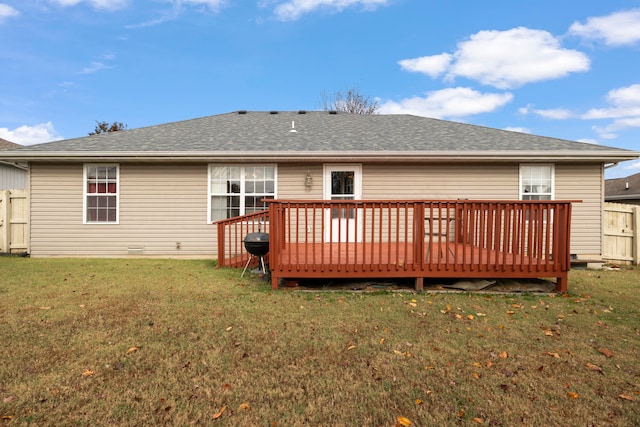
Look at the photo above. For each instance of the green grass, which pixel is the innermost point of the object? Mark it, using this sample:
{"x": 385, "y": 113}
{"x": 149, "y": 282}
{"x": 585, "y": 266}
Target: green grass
{"x": 146, "y": 342}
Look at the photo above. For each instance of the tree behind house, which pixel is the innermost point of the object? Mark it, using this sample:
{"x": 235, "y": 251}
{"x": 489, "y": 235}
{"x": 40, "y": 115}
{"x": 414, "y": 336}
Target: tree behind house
{"x": 104, "y": 127}
{"x": 353, "y": 101}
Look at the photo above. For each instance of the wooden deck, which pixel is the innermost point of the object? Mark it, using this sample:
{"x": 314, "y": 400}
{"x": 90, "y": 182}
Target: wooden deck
{"x": 408, "y": 239}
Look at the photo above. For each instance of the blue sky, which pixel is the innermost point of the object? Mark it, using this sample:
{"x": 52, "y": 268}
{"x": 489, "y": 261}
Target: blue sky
{"x": 566, "y": 69}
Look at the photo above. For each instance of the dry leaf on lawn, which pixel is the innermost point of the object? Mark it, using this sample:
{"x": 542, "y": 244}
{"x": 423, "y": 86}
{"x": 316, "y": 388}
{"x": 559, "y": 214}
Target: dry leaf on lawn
{"x": 606, "y": 351}
{"x": 87, "y": 373}
{"x": 573, "y": 394}
{"x": 626, "y": 397}
{"x": 244, "y": 407}
{"x": 403, "y": 422}
{"x": 132, "y": 349}
{"x": 594, "y": 367}
{"x": 220, "y": 412}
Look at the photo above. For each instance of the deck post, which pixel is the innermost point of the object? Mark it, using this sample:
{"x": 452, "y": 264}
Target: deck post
{"x": 419, "y": 284}
{"x": 562, "y": 283}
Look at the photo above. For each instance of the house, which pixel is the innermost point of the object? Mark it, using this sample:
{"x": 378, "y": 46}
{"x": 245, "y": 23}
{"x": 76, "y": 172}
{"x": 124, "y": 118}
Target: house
{"x": 12, "y": 175}
{"x": 623, "y": 190}
{"x": 156, "y": 191}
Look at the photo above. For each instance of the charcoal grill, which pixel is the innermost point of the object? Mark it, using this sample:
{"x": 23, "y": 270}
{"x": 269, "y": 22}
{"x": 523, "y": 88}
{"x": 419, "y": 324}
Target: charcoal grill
{"x": 257, "y": 244}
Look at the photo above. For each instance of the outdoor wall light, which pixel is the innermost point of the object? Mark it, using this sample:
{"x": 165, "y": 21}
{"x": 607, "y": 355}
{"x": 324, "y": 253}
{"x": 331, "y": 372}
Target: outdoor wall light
{"x": 308, "y": 181}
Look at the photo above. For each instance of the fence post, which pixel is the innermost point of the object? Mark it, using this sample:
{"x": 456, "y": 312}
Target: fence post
{"x": 5, "y": 221}
{"x": 635, "y": 221}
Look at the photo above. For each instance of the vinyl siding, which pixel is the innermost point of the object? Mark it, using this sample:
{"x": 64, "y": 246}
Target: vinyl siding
{"x": 583, "y": 182}
{"x": 161, "y": 205}
{"x": 12, "y": 178}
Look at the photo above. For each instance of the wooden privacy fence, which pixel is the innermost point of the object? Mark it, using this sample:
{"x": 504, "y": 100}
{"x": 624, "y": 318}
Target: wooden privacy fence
{"x": 13, "y": 221}
{"x": 621, "y": 233}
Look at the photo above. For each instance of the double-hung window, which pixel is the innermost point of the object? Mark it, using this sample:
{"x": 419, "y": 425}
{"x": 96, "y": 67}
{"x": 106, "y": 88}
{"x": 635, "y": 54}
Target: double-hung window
{"x": 239, "y": 190}
{"x": 101, "y": 194}
{"x": 536, "y": 182}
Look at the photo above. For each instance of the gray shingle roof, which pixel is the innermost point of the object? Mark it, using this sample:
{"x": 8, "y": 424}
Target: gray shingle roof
{"x": 622, "y": 188}
{"x": 8, "y": 145}
{"x": 316, "y": 133}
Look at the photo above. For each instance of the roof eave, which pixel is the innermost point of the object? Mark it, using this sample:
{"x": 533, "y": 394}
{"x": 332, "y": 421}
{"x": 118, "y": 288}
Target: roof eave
{"x": 314, "y": 156}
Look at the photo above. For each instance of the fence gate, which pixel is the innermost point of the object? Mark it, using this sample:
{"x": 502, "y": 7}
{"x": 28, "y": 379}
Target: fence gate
{"x": 621, "y": 229}
{"x": 13, "y": 221}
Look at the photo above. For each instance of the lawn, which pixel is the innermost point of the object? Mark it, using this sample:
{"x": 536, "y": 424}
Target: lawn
{"x": 146, "y": 342}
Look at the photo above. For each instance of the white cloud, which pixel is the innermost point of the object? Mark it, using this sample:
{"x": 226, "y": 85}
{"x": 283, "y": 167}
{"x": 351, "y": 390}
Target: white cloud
{"x": 293, "y": 9}
{"x": 97, "y": 4}
{"x": 29, "y": 135}
{"x": 7, "y": 11}
{"x": 176, "y": 9}
{"x": 505, "y": 59}
{"x": 617, "y": 29}
{"x": 625, "y": 102}
{"x": 94, "y": 67}
{"x": 211, "y": 4}
{"x": 631, "y": 166}
{"x": 518, "y": 129}
{"x": 451, "y": 102}
{"x": 551, "y": 113}
{"x": 431, "y": 65}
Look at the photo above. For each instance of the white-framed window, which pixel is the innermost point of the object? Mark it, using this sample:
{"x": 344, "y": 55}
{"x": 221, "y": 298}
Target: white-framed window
{"x": 236, "y": 190}
{"x": 537, "y": 181}
{"x": 101, "y": 193}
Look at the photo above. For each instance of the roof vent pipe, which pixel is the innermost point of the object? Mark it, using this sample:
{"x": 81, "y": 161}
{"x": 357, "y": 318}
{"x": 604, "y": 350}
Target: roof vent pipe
{"x": 626, "y": 185}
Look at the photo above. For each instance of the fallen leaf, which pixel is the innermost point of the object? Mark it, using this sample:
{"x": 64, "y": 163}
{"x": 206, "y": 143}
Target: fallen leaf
{"x": 503, "y": 355}
{"x": 229, "y": 328}
{"x": 7, "y": 417}
{"x": 556, "y": 355}
{"x": 381, "y": 340}
{"x": 220, "y": 412}
{"x": 626, "y": 397}
{"x": 548, "y": 332}
{"x": 461, "y": 413}
{"x": 403, "y": 422}
{"x": 573, "y": 394}
{"x": 418, "y": 402}
{"x": 606, "y": 351}
{"x": 351, "y": 347}
{"x": 132, "y": 350}
{"x": 478, "y": 420}
{"x": 244, "y": 407}
{"x": 45, "y": 308}
{"x": 470, "y": 316}
{"x": 595, "y": 368}
{"x": 87, "y": 373}
{"x": 476, "y": 375}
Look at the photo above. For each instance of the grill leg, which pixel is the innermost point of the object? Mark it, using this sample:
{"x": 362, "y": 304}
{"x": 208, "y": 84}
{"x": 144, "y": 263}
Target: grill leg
{"x": 247, "y": 265}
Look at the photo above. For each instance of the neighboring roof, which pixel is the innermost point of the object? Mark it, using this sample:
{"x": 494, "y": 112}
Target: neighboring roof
{"x": 317, "y": 135}
{"x": 7, "y": 145}
{"x": 622, "y": 188}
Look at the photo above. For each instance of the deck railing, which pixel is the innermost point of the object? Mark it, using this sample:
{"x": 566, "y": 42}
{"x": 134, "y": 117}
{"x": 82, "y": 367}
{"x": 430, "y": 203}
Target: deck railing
{"x": 389, "y": 238}
{"x": 231, "y": 234}
{"x": 412, "y": 238}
